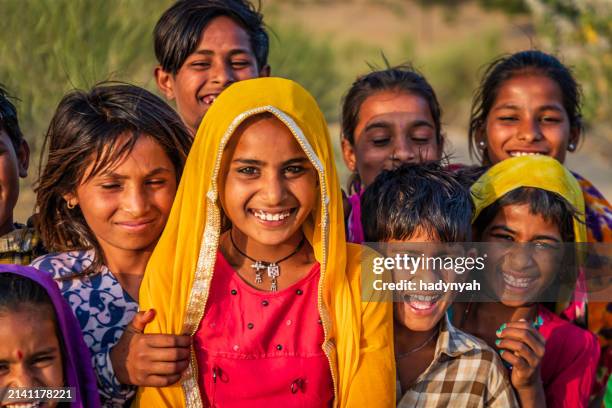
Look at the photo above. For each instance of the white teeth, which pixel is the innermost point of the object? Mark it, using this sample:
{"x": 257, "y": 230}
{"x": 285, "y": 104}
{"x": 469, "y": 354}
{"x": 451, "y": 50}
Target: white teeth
{"x": 271, "y": 217}
{"x": 209, "y": 99}
{"x": 517, "y": 282}
{"x": 519, "y": 154}
{"x": 423, "y": 302}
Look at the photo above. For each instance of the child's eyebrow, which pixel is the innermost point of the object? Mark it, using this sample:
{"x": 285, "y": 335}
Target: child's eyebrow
{"x": 46, "y": 351}
{"x": 547, "y": 237}
{"x": 377, "y": 124}
{"x": 502, "y": 227}
{"x": 552, "y": 107}
{"x": 153, "y": 172}
{"x": 254, "y": 162}
{"x": 209, "y": 53}
{"x": 297, "y": 160}
{"x": 248, "y": 161}
{"x": 506, "y": 106}
{"x": 420, "y": 123}
{"x": 43, "y": 352}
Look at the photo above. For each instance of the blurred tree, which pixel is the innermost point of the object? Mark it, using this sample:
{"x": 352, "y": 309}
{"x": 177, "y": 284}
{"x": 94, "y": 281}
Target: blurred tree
{"x": 48, "y": 47}
{"x": 296, "y": 55}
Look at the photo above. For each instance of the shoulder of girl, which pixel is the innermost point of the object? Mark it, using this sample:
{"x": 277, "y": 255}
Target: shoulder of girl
{"x": 63, "y": 264}
{"x": 560, "y": 330}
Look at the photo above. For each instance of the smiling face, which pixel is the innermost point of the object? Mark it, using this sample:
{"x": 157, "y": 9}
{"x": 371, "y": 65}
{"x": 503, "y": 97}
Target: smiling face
{"x": 127, "y": 205}
{"x": 519, "y": 273}
{"x": 222, "y": 57}
{"x": 393, "y": 128}
{"x": 528, "y": 117}
{"x": 270, "y": 187}
{"x": 422, "y": 310}
{"x": 30, "y": 353}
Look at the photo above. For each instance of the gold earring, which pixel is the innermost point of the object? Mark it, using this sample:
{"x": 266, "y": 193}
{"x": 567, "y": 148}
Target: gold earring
{"x": 70, "y": 205}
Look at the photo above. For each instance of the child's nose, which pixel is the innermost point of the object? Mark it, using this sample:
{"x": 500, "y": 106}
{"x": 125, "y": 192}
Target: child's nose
{"x": 403, "y": 153}
{"x": 222, "y": 74}
{"x": 136, "y": 201}
{"x": 520, "y": 257}
{"x": 22, "y": 377}
{"x": 274, "y": 190}
{"x": 530, "y": 131}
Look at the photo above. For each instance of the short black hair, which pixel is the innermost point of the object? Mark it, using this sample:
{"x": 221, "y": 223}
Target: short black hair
{"x": 551, "y": 206}
{"x": 416, "y": 197}
{"x": 8, "y": 118}
{"x": 178, "y": 31}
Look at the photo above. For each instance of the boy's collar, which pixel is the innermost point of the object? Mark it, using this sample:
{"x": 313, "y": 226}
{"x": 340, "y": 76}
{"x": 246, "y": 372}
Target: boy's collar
{"x": 451, "y": 341}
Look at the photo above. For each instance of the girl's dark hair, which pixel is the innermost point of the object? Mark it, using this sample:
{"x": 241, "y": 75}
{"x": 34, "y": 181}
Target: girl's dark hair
{"x": 551, "y": 206}
{"x": 416, "y": 197}
{"x": 17, "y": 292}
{"x": 178, "y": 31}
{"x": 402, "y": 78}
{"x": 98, "y": 127}
{"x": 531, "y": 62}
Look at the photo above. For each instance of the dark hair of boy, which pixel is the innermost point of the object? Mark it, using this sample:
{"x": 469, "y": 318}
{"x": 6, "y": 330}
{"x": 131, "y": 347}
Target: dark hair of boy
{"x": 8, "y": 119}
{"x": 100, "y": 126}
{"x": 416, "y": 198}
{"x": 530, "y": 62}
{"x": 179, "y": 29}
{"x": 401, "y": 78}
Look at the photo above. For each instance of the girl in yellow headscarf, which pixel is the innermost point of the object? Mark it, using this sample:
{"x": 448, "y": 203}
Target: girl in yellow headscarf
{"x": 254, "y": 265}
{"x": 534, "y": 204}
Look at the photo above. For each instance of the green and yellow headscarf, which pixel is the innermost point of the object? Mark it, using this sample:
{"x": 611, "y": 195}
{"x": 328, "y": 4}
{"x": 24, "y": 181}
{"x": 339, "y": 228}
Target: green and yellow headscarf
{"x": 542, "y": 172}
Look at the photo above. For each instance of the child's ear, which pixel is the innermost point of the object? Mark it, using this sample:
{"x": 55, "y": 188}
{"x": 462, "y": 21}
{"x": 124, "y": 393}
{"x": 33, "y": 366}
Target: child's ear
{"x": 480, "y": 137}
{"x": 348, "y": 154}
{"x": 71, "y": 200}
{"x": 574, "y": 139}
{"x": 265, "y": 71}
{"x": 165, "y": 82}
{"x": 23, "y": 158}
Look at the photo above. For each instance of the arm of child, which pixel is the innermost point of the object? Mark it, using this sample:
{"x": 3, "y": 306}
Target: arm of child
{"x": 150, "y": 360}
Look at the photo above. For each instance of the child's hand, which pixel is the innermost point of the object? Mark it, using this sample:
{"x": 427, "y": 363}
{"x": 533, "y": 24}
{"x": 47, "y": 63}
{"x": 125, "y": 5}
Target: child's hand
{"x": 152, "y": 360}
{"x": 522, "y": 346}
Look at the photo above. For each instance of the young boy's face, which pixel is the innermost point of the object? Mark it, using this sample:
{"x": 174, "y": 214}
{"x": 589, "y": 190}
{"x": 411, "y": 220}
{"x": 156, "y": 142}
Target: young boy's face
{"x": 13, "y": 164}
{"x": 421, "y": 310}
{"x": 223, "y": 56}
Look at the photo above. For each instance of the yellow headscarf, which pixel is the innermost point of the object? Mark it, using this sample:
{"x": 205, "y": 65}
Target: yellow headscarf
{"x": 542, "y": 172}
{"x": 179, "y": 273}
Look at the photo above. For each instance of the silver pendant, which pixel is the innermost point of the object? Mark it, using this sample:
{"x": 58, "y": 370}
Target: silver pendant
{"x": 273, "y": 273}
{"x": 259, "y": 267}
